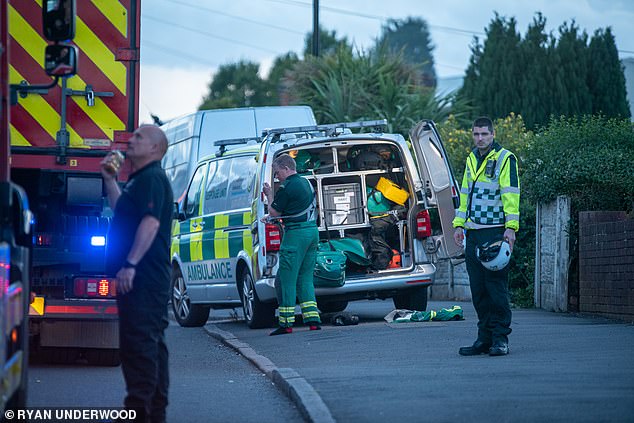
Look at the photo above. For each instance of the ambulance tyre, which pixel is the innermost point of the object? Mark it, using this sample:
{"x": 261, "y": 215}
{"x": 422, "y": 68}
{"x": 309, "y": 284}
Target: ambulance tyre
{"x": 332, "y": 306}
{"x": 414, "y": 299}
{"x": 256, "y": 313}
{"x": 186, "y": 314}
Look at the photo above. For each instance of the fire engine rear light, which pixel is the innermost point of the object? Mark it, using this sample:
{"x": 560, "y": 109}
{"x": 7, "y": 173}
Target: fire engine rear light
{"x": 43, "y": 240}
{"x": 95, "y": 288}
{"x": 98, "y": 241}
{"x": 273, "y": 237}
{"x": 423, "y": 224}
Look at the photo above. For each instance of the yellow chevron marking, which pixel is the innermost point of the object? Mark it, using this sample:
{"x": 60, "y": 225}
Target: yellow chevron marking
{"x": 100, "y": 113}
{"x": 246, "y": 218}
{"x": 116, "y": 14}
{"x": 28, "y": 37}
{"x": 34, "y": 45}
{"x": 42, "y": 112}
{"x": 17, "y": 138}
{"x": 37, "y": 307}
{"x": 101, "y": 55}
{"x": 221, "y": 244}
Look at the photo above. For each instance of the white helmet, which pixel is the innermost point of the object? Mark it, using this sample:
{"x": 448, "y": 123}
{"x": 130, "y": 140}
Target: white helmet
{"x": 494, "y": 255}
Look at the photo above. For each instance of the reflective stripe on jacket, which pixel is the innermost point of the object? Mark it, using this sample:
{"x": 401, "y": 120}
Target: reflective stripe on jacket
{"x": 488, "y": 200}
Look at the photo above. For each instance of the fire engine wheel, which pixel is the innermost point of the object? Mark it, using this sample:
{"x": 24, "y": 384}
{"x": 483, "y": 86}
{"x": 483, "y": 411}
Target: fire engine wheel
{"x": 186, "y": 313}
{"x": 414, "y": 299}
{"x": 256, "y": 313}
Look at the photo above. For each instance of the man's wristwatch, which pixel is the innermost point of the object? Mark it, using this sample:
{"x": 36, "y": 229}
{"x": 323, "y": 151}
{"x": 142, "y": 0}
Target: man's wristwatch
{"x": 128, "y": 265}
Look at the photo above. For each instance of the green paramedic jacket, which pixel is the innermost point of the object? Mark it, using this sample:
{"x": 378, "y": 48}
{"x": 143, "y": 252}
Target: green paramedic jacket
{"x": 490, "y": 197}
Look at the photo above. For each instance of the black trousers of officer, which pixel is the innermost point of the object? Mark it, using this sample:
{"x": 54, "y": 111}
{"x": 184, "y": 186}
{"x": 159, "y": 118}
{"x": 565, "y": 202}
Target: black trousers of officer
{"x": 489, "y": 290}
{"x": 144, "y": 356}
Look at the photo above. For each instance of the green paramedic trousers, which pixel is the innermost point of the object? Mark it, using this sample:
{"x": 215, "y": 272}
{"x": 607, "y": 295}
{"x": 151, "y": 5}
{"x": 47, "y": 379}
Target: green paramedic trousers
{"x": 295, "y": 274}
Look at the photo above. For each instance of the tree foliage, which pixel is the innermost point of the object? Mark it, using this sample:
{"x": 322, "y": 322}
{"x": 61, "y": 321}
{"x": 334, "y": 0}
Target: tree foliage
{"x": 540, "y": 76}
{"x": 588, "y": 159}
{"x": 329, "y": 43}
{"x": 351, "y": 86}
{"x": 410, "y": 37}
{"x": 236, "y": 85}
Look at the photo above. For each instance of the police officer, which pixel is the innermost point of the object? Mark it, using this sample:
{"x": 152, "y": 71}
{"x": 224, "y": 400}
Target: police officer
{"x": 489, "y": 211}
{"x": 138, "y": 253}
{"x": 294, "y": 203}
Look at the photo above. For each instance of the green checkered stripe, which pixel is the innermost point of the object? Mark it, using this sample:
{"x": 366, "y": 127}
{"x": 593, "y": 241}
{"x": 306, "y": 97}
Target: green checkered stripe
{"x": 486, "y": 206}
{"x": 217, "y": 240}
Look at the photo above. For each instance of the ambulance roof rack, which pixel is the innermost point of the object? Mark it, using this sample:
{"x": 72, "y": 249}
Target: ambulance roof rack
{"x": 330, "y": 130}
{"x": 233, "y": 141}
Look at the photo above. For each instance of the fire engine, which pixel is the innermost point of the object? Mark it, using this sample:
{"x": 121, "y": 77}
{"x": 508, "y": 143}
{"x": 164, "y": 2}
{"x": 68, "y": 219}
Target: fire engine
{"x": 60, "y": 131}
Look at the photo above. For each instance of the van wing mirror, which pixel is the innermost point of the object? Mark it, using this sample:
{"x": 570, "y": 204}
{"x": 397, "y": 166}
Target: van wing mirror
{"x": 58, "y": 19}
{"x": 60, "y": 60}
{"x": 177, "y": 213}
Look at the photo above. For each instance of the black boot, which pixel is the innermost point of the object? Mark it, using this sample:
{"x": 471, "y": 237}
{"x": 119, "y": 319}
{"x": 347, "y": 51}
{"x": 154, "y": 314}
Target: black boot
{"x": 281, "y": 331}
{"x": 477, "y": 348}
{"x": 500, "y": 347}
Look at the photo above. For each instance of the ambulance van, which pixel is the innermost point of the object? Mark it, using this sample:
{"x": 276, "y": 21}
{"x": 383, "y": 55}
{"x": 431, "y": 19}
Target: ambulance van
{"x": 393, "y": 198}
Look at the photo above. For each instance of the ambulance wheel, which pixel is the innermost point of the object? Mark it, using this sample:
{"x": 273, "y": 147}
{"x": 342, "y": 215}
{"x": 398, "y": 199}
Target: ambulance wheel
{"x": 186, "y": 314}
{"x": 332, "y": 306}
{"x": 414, "y": 299}
{"x": 256, "y": 313}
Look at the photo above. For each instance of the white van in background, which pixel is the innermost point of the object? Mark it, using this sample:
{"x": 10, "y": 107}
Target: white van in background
{"x": 192, "y": 137}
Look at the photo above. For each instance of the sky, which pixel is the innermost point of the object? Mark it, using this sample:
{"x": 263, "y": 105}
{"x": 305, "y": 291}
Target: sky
{"x": 183, "y": 42}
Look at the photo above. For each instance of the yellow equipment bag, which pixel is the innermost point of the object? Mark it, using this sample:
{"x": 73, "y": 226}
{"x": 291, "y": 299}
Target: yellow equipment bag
{"x": 391, "y": 191}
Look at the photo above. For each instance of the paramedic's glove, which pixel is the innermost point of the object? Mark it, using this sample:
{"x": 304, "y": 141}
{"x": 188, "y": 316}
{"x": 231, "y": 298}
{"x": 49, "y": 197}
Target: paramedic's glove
{"x": 125, "y": 276}
{"x": 509, "y": 236}
{"x": 458, "y": 237}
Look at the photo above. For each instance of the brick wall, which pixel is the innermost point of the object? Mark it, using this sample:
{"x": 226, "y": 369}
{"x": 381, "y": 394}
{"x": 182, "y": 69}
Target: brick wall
{"x": 606, "y": 264}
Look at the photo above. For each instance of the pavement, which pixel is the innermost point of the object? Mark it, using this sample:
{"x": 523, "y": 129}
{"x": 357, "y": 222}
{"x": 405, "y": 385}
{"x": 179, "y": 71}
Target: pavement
{"x": 562, "y": 367}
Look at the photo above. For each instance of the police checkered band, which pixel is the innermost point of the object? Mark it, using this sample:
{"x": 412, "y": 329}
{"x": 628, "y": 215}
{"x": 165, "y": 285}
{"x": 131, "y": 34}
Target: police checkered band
{"x": 486, "y": 207}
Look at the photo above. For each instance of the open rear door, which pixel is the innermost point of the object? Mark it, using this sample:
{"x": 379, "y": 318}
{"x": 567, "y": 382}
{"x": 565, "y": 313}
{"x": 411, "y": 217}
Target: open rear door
{"x": 440, "y": 186}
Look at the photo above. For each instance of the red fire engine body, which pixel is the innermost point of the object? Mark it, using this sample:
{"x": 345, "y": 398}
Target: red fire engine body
{"x": 58, "y": 137}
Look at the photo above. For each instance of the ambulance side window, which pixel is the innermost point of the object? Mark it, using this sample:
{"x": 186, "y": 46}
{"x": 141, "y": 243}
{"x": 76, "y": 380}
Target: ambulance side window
{"x": 241, "y": 182}
{"x": 192, "y": 201}
{"x": 216, "y": 189}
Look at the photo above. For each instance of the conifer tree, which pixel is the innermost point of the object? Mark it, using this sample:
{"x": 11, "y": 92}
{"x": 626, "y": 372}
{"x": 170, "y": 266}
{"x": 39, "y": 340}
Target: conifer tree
{"x": 573, "y": 98}
{"x": 495, "y": 88}
{"x": 411, "y": 37}
{"x": 535, "y": 103}
{"x": 606, "y": 79}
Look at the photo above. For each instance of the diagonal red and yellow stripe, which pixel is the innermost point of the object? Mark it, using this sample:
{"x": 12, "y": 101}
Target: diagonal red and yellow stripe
{"x": 103, "y": 29}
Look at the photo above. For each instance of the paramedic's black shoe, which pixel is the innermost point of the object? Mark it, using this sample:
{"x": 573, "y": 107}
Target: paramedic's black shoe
{"x": 499, "y": 348}
{"x": 477, "y": 348}
{"x": 281, "y": 331}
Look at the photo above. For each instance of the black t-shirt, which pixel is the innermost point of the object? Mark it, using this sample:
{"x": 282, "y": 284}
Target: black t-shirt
{"x": 293, "y": 196}
{"x": 147, "y": 192}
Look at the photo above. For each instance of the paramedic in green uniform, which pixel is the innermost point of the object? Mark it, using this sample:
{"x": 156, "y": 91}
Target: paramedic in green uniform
{"x": 292, "y": 203}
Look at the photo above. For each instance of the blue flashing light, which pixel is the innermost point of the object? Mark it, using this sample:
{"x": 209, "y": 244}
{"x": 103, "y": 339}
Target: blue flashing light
{"x": 98, "y": 241}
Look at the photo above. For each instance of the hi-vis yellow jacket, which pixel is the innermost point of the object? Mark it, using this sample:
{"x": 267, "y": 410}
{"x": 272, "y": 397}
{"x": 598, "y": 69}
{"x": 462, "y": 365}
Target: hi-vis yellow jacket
{"x": 490, "y": 192}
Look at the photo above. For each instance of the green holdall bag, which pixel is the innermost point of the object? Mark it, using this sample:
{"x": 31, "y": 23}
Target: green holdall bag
{"x": 330, "y": 269}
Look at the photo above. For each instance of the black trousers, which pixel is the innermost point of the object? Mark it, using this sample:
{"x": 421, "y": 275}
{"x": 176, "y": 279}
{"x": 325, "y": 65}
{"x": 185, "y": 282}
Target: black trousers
{"x": 144, "y": 357}
{"x": 489, "y": 290}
